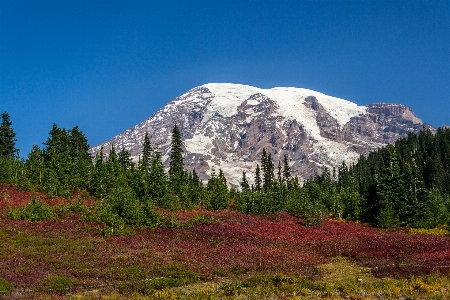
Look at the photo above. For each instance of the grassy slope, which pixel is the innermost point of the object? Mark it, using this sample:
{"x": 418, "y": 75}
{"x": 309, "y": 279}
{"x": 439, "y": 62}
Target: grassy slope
{"x": 238, "y": 256}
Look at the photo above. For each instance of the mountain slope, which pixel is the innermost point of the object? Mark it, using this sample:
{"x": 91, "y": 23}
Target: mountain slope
{"x": 226, "y": 126}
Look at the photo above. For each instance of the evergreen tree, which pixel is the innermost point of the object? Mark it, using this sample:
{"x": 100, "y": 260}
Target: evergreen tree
{"x": 157, "y": 181}
{"x": 268, "y": 169}
{"x": 99, "y": 177}
{"x": 286, "y": 169}
{"x": 146, "y": 154}
{"x": 35, "y": 165}
{"x": 196, "y": 189}
{"x": 113, "y": 171}
{"x": 218, "y": 191}
{"x": 81, "y": 160}
{"x": 195, "y": 179}
{"x": 176, "y": 168}
{"x": 124, "y": 158}
{"x": 244, "y": 182}
{"x": 7, "y": 137}
{"x": 58, "y": 162}
{"x": 351, "y": 199}
{"x": 257, "y": 179}
{"x": 280, "y": 180}
{"x": 390, "y": 191}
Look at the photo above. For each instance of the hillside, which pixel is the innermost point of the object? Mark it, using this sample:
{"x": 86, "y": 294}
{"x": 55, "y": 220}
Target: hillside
{"x": 224, "y": 252}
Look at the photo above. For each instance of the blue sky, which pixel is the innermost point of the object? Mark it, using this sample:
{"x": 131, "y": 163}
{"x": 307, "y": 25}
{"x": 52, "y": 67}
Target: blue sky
{"x": 108, "y": 65}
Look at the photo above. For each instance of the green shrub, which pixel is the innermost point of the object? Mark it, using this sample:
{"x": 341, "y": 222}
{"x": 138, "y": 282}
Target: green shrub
{"x": 200, "y": 219}
{"x": 59, "y": 284}
{"x": 5, "y": 286}
{"x": 313, "y": 221}
{"x": 36, "y": 211}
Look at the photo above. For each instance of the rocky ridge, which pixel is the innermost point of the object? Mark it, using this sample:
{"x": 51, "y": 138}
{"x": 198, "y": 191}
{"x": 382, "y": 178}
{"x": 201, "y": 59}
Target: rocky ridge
{"x": 226, "y": 126}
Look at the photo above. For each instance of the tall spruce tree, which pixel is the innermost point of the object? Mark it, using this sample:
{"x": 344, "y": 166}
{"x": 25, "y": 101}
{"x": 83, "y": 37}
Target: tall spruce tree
{"x": 244, "y": 182}
{"x": 286, "y": 169}
{"x": 391, "y": 191}
{"x": 146, "y": 154}
{"x": 258, "y": 178}
{"x": 81, "y": 159}
{"x": 99, "y": 176}
{"x": 157, "y": 180}
{"x": 7, "y": 137}
{"x": 280, "y": 178}
{"x": 58, "y": 162}
{"x": 176, "y": 168}
{"x": 124, "y": 158}
{"x": 35, "y": 165}
{"x": 267, "y": 169}
{"x": 218, "y": 191}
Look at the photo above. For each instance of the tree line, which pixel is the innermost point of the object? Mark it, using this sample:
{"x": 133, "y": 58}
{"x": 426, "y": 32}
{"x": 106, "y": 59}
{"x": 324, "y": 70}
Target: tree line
{"x": 404, "y": 184}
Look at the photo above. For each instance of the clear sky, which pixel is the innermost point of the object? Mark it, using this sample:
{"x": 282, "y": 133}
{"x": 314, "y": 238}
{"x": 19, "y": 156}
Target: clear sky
{"x": 108, "y": 65}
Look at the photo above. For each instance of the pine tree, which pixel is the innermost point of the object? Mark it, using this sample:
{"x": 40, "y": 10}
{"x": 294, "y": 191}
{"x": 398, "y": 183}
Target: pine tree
{"x": 113, "y": 170}
{"x": 146, "y": 154}
{"x": 196, "y": 189}
{"x": 35, "y": 165}
{"x": 257, "y": 179}
{"x": 195, "y": 179}
{"x": 286, "y": 169}
{"x": 80, "y": 157}
{"x": 58, "y": 162}
{"x": 157, "y": 180}
{"x": 351, "y": 199}
{"x": 244, "y": 182}
{"x": 99, "y": 177}
{"x": 176, "y": 168}
{"x": 7, "y": 137}
{"x": 267, "y": 169}
{"x": 390, "y": 191}
{"x": 124, "y": 158}
{"x": 218, "y": 191}
{"x": 280, "y": 179}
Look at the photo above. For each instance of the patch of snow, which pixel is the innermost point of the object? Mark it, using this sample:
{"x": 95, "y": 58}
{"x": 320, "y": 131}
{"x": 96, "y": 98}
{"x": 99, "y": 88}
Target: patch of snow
{"x": 199, "y": 143}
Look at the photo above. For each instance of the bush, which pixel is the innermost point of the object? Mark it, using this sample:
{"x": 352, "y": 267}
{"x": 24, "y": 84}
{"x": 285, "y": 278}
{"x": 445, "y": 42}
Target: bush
{"x": 5, "y": 286}
{"x": 313, "y": 221}
{"x": 36, "y": 211}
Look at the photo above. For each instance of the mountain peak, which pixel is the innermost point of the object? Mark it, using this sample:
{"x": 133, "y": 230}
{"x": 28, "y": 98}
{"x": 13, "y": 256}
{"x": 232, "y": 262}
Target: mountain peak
{"x": 226, "y": 126}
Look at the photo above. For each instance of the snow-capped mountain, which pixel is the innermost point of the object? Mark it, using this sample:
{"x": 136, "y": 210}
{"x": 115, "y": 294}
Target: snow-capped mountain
{"x": 226, "y": 126}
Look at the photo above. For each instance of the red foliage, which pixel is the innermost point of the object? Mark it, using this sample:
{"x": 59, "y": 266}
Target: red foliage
{"x": 238, "y": 243}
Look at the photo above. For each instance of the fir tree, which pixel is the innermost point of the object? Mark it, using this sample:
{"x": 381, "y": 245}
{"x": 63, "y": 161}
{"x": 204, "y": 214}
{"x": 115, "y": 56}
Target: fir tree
{"x": 146, "y": 154}
{"x": 58, "y": 162}
{"x": 157, "y": 180}
{"x": 113, "y": 170}
{"x": 244, "y": 182}
{"x": 7, "y": 136}
{"x": 286, "y": 169}
{"x": 390, "y": 191}
{"x": 99, "y": 178}
{"x": 218, "y": 191}
{"x": 176, "y": 168}
{"x": 280, "y": 179}
{"x": 195, "y": 179}
{"x": 267, "y": 169}
{"x": 257, "y": 179}
{"x": 81, "y": 160}
{"x": 35, "y": 165}
{"x": 124, "y": 158}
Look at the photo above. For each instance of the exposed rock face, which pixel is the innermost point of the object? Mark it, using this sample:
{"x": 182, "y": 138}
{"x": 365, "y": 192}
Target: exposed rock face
{"x": 228, "y": 125}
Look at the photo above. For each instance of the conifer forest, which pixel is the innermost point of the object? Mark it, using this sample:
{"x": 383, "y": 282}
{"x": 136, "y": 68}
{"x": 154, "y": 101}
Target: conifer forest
{"x": 405, "y": 184}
